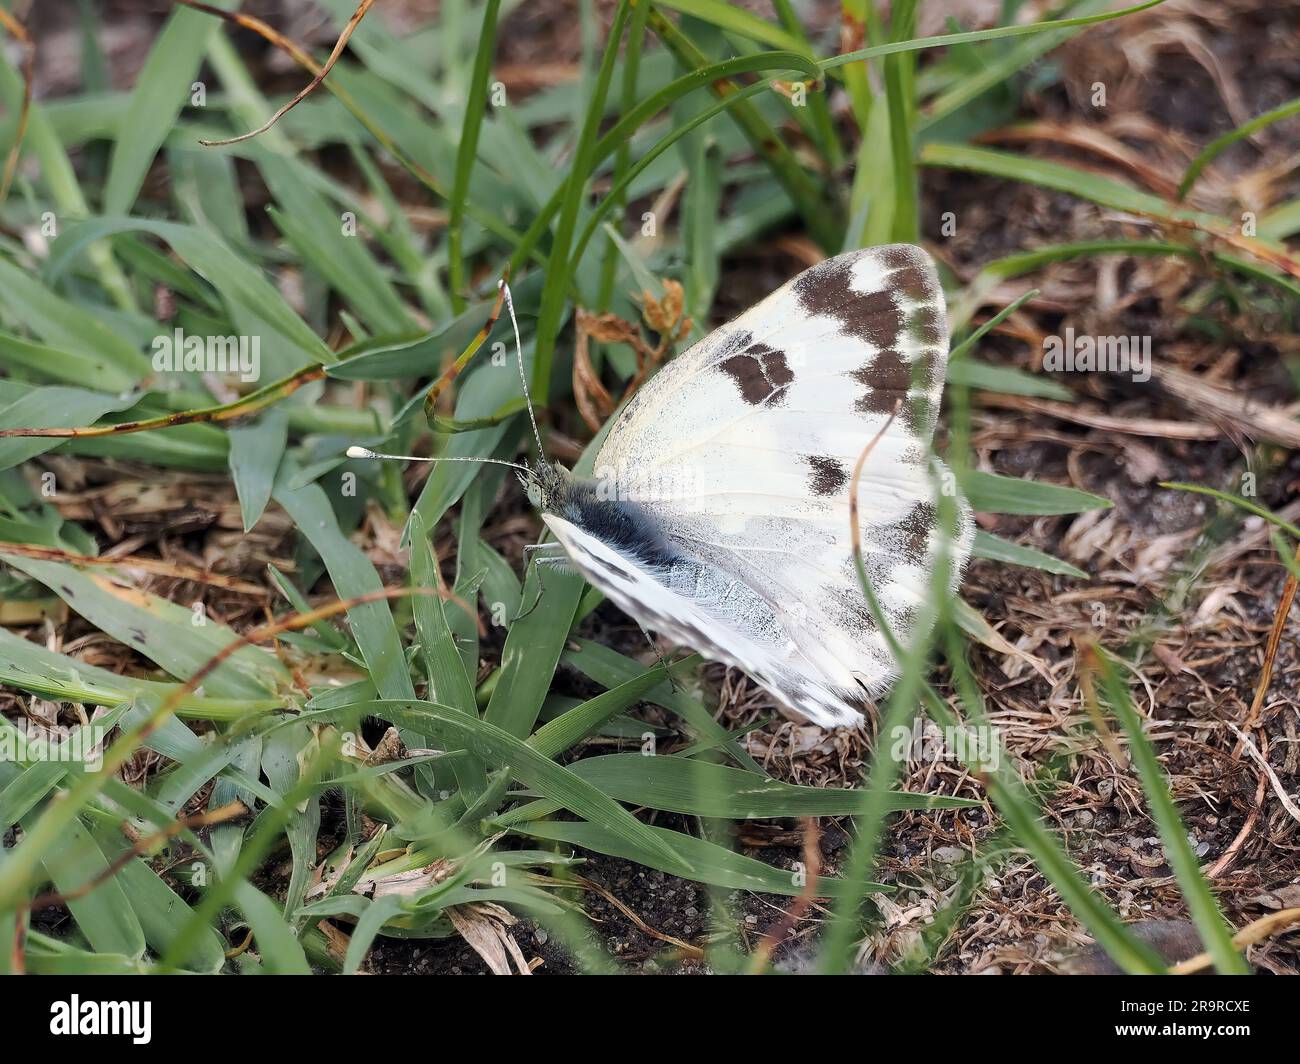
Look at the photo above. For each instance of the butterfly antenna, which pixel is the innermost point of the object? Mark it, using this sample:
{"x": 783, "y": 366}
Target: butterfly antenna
{"x": 523, "y": 377}
{"x": 365, "y": 452}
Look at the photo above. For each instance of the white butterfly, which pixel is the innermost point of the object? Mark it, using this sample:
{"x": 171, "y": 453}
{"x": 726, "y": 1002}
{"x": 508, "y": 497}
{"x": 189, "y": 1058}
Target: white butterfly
{"x": 719, "y": 511}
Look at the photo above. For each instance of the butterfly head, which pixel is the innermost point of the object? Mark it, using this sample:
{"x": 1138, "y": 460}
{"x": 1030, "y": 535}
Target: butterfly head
{"x": 547, "y": 484}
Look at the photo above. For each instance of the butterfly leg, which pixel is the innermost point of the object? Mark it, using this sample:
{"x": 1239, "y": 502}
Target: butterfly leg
{"x": 542, "y": 550}
{"x": 544, "y": 555}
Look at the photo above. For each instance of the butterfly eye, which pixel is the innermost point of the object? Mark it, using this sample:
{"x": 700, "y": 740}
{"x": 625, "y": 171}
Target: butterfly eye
{"x": 534, "y": 495}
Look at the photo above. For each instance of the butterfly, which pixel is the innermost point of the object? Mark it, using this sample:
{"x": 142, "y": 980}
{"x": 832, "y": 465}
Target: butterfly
{"x": 718, "y": 513}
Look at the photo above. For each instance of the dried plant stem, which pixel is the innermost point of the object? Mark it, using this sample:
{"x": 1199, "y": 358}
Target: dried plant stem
{"x": 319, "y": 72}
{"x": 16, "y": 30}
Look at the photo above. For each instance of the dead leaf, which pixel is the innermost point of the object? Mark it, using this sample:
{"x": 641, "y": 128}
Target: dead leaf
{"x": 1172, "y": 662}
{"x": 662, "y": 315}
{"x": 594, "y": 402}
{"x": 406, "y": 884}
{"x": 485, "y": 928}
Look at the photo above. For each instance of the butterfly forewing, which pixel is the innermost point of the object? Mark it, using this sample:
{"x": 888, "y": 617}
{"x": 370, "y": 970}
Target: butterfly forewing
{"x": 736, "y": 459}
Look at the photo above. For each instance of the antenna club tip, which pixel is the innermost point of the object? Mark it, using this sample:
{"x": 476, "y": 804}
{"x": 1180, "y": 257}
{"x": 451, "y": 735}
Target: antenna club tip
{"x": 360, "y": 452}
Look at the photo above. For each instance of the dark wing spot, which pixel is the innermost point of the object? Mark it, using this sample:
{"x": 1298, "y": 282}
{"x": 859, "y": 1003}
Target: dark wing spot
{"x": 913, "y": 531}
{"x": 925, "y": 327}
{"x": 826, "y": 291}
{"x": 912, "y": 261}
{"x": 883, "y": 320}
{"x": 775, "y": 365}
{"x": 759, "y": 372}
{"x": 828, "y": 474}
{"x": 887, "y": 379}
{"x": 854, "y": 612}
{"x": 911, "y": 275}
{"x": 874, "y": 317}
{"x": 826, "y": 287}
{"x": 609, "y": 567}
{"x": 748, "y": 374}
{"x": 903, "y": 620}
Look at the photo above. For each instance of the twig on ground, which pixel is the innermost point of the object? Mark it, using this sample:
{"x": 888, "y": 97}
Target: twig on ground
{"x": 1253, "y": 932}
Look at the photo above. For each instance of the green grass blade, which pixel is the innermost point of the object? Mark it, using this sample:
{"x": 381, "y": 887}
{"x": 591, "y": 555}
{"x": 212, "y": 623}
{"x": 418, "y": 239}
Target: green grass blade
{"x": 620, "y": 133}
{"x": 571, "y": 727}
{"x": 353, "y": 576}
{"x": 1027, "y": 262}
{"x": 1214, "y": 929}
{"x": 64, "y": 365}
{"x": 560, "y": 266}
{"x": 448, "y": 681}
{"x": 809, "y": 199}
{"x": 533, "y": 648}
{"x": 467, "y": 152}
{"x": 255, "y": 453}
{"x": 63, "y": 323}
{"x": 497, "y": 746}
{"x": 1007, "y": 380}
{"x": 994, "y": 547}
{"x": 160, "y": 92}
{"x": 735, "y": 19}
{"x": 618, "y": 192}
{"x": 32, "y": 667}
{"x": 1062, "y": 177}
{"x": 684, "y": 785}
{"x": 609, "y": 668}
{"x": 1237, "y": 501}
{"x": 50, "y": 407}
{"x": 277, "y": 947}
{"x": 61, "y": 181}
{"x": 700, "y": 860}
{"x": 976, "y": 36}
{"x": 900, "y": 98}
{"x": 991, "y": 493}
{"x": 1221, "y": 144}
{"x": 159, "y": 629}
{"x": 823, "y": 123}
{"x": 242, "y": 286}
{"x": 104, "y": 915}
{"x": 160, "y": 910}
